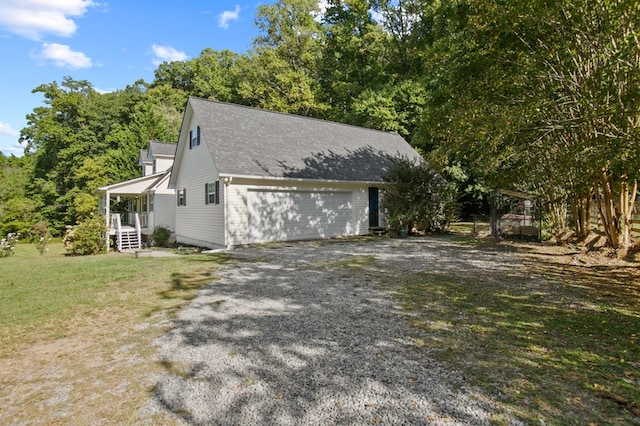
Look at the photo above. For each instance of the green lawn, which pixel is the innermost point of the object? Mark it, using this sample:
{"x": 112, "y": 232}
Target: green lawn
{"x": 76, "y": 313}
{"x": 553, "y": 342}
{"x": 47, "y": 291}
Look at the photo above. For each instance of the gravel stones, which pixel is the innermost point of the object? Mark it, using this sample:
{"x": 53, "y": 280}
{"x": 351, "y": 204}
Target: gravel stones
{"x": 288, "y": 337}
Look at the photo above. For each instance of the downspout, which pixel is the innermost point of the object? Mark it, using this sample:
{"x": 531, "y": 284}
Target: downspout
{"x": 225, "y": 200}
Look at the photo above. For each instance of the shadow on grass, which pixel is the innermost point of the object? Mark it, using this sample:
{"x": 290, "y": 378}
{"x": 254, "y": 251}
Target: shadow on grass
{"x": 185, "y": 285}
{"x": 552, "y": 341}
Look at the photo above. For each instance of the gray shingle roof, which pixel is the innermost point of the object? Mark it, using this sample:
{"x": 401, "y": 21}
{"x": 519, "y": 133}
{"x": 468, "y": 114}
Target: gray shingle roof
{"x": 144, "y": 157}
{"x": 162, "y": 148}
{"x": 254, "y": 142}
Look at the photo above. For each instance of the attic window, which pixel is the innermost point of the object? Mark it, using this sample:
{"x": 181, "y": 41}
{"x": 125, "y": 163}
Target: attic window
{"x": 194, "y": 137}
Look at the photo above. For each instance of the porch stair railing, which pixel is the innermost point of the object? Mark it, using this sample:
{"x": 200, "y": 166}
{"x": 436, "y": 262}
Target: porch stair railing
{"x": 127, "y": 238}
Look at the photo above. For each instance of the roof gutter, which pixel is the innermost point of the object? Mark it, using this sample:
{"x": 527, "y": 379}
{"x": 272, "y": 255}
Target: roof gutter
{"x": 228, "y": 178}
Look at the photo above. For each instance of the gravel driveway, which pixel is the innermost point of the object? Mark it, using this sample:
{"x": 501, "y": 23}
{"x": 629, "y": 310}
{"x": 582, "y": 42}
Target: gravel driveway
{"x": 289, "y": 336}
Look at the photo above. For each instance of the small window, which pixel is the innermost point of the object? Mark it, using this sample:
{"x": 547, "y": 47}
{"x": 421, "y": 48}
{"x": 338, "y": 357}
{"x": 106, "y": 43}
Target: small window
{"x": 194, "y": 138}
{"x": 182, "y": 196}
{"x": 211, "y": 193}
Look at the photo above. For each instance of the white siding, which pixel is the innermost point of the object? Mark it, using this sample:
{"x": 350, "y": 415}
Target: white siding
{"x": 295, "y": 215}
{"x": 198, "y": 223}
{"x": 164, "y": 210}
{"x": 262, "y": 213}
{"x": 237, "y": 214}
{"x": 361, "y": 210}
{"x": 160, "y": 164}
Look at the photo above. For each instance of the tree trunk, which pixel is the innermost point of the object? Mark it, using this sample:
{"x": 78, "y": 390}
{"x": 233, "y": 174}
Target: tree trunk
{"x": 558, "y": 217}
{"x": 616, "y": 211}
{"x": 627, "y": 205}
{"x": 582, "y": 214}
{"x": 608, "y": 212}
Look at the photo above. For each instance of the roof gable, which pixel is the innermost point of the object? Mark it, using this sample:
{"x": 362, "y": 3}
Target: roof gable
{"x": 248, "y": 141}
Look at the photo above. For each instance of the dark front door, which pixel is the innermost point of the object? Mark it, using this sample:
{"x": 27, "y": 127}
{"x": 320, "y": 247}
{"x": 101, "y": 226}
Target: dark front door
{"x": 374, "y": 208}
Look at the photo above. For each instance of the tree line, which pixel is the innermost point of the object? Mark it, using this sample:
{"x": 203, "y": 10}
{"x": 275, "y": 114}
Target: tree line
{"x": 539, "y": 96}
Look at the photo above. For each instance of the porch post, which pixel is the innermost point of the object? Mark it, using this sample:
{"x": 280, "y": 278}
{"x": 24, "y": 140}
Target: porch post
{"x": 107, "y": 218}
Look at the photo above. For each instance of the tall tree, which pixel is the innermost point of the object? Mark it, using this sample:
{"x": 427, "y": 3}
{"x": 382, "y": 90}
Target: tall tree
{"x": 76, "y": 123}
{"x": 209, "y": 76}
{"x": 353, "y": 56}
{"x": 281, "y": 72}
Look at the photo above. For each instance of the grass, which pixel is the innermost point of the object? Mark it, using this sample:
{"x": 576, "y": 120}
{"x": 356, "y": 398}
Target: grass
{"x": 72, "y": 328}
{"x": 552, "y": 342}
{"x": 555, "y": 343}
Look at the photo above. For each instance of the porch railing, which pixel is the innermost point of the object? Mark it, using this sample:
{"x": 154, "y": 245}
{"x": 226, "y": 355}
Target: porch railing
{"x": 126, "y": 237}
{"x": 144, "y": 220}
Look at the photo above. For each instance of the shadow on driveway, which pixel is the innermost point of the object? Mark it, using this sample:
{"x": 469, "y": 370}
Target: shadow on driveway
{"x": 288, "y": 336}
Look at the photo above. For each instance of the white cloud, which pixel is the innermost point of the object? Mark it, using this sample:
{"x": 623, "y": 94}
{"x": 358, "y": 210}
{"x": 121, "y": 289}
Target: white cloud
{"x": 63, "y": 56}
{"x": 227, "y": 16}
{"x": 14, "y": 149}
{"x": 322, "y": 6}
{"x": 5, "y": 129}
{"x": 166, "y": 54}
{"x": 103, "y": 91}
{"x": 34, "y": 18}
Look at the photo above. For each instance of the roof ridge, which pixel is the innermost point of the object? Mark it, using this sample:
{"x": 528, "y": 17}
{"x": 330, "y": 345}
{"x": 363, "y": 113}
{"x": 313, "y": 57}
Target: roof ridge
{"x": 287, "y": 114}
{"x": 164, "y": 142}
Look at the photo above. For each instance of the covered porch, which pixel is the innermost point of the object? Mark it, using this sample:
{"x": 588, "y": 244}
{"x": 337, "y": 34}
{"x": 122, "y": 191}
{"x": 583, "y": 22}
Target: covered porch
{"x": 128, "y": 210}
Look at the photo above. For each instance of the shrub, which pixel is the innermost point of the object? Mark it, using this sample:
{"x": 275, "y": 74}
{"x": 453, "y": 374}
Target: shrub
{"x": 160, "y": 236}
{"x": 8, "y": 244}
{"x": 418, "y": 196}
{"x": 41, "y": 236}
{"x": 87, "y": 237}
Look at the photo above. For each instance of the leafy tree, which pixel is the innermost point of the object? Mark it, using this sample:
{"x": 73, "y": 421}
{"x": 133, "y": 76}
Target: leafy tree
{"x": 17, "y": 215}
{"x": 209, "y": 76}
{"x": 270, "y": 83}
{"x": 14, "y": 176}
{"x": 353, "y": 57}
{"x": 76, "y": 123}
{"x": 281, "y": 73}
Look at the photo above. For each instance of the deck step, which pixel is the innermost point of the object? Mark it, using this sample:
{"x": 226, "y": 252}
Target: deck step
{"x": 129, "y": 240}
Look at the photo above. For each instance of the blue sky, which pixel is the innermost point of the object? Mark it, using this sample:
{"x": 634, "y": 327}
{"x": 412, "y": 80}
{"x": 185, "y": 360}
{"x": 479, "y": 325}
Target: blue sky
{"x": 109, "y": 43}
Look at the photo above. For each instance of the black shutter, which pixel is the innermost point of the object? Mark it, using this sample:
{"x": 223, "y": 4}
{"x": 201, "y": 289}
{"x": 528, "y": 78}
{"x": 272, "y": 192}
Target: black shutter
{"x": 206, "y": 193}
{"x": 178, "y": 197}
{"x": 184, "y": 196}
{"x": 190, "y": 139}
{"x": 198, "y": 135}
{"x": 217, "y": 192}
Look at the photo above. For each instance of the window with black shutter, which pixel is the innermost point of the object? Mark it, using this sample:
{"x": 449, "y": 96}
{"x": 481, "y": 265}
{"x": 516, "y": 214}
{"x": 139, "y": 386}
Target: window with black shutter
{"x": 181, "y": 195}
{"x": 211, "y": 195}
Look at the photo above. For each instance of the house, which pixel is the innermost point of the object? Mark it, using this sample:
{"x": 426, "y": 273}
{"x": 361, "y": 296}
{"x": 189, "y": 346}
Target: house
{"x": 245, "y": 175}
{"x": 134, "y": 208}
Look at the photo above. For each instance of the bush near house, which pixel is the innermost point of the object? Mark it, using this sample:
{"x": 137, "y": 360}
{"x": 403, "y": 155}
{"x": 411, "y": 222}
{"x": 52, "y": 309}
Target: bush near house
{"x": 418, "y": 196}
{"x": 160, "y": 236}
{"x": 87, "y": 237}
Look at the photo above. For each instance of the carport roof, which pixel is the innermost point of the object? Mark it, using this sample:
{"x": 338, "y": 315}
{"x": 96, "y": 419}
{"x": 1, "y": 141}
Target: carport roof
{"x": 254, "y": 142}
